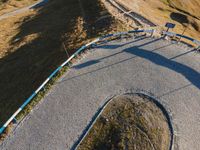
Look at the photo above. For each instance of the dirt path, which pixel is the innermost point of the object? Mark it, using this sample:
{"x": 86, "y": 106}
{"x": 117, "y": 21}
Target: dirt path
{"x": 126, "y": 14}
{"x": 24, "y": 9}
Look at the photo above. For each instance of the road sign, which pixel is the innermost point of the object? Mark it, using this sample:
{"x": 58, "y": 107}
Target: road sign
{"x": 170, "y": 25}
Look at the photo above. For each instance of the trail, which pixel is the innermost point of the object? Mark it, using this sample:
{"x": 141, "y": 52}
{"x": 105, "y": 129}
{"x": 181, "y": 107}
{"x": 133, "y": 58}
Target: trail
{"x": 24, "y": 9}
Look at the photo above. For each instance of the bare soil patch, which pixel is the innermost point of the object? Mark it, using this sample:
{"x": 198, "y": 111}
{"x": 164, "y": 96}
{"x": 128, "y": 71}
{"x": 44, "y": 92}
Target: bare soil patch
{"x": 129, "y": 122}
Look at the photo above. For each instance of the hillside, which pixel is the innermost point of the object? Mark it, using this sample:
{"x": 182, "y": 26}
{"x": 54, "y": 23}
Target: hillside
{"x": 191, "y": 7}
{"x": 181, "y": 12}
{"x": 11, "y": 5}
{"x": 34, "y": 43}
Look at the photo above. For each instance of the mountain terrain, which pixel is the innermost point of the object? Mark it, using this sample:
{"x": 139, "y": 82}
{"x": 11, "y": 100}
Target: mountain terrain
{"x": 184, "y": 13}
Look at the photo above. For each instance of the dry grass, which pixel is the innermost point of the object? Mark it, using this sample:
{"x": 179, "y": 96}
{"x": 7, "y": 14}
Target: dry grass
{"x": 190, "y": 7}
{"x": 11, "y": 5}
{"x": 32, "y": 46}
{"x": 129, "y": 122}
{"x": 160, "y": 12}
{"x": 6, "y": 36}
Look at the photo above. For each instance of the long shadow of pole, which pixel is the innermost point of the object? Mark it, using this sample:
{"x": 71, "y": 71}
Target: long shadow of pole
{"x": 189, "y": 73}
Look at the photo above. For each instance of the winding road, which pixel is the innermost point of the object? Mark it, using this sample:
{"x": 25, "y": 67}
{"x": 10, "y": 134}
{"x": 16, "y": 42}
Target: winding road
{"x": 169, "y": 71}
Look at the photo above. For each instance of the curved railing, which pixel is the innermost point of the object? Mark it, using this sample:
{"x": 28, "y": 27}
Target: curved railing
{"x": 103, "y": 38}
{"x": 173, "y": 34}
{"x": 109, "y": 100}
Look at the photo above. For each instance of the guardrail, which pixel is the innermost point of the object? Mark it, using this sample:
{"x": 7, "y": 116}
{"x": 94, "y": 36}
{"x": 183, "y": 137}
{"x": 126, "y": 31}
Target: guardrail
{"x": 151, "y": 31}
{"x": 135, "y": 17}
{"x": 173, "y": 34}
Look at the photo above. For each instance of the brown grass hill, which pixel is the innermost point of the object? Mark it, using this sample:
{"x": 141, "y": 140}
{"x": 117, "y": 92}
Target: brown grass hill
{"x": 7, "y": 6}
{"x": 181, "y": 12}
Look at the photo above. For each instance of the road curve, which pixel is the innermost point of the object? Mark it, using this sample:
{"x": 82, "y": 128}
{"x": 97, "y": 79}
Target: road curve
{"x": 24, "y": 9}
{"x": 169, "y": 71}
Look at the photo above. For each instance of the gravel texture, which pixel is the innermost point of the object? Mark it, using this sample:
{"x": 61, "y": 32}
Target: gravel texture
{"x": 167, "y": 70}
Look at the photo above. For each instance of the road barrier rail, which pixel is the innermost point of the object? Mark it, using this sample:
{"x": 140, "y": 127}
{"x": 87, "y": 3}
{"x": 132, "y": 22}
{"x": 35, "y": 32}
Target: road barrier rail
{"x": 103, "y": 38}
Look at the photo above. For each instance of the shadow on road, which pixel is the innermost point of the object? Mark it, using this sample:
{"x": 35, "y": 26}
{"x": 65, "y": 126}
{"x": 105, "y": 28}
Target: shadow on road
{"x": 114, "y": 46}
{"x": 137, "y": 51}
{"x": 189, "y": 73}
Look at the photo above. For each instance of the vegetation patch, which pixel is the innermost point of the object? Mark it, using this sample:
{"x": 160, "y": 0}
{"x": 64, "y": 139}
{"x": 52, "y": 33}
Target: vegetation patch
{"x": 129, "y": 122}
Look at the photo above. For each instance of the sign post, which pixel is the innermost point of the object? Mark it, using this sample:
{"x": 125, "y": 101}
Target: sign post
{"x": 169, "y": 26}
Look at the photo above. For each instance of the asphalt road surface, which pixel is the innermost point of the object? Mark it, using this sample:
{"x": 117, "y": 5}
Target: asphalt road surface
{"x": 169, "y": 71}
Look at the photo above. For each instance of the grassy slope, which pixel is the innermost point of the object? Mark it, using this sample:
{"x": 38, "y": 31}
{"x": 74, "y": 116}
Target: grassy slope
{"x": 31, "y": 46}
{"x": 160, "y": 11}
{"x": 192, "y": 7}
{"x": 11, "y": 5}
